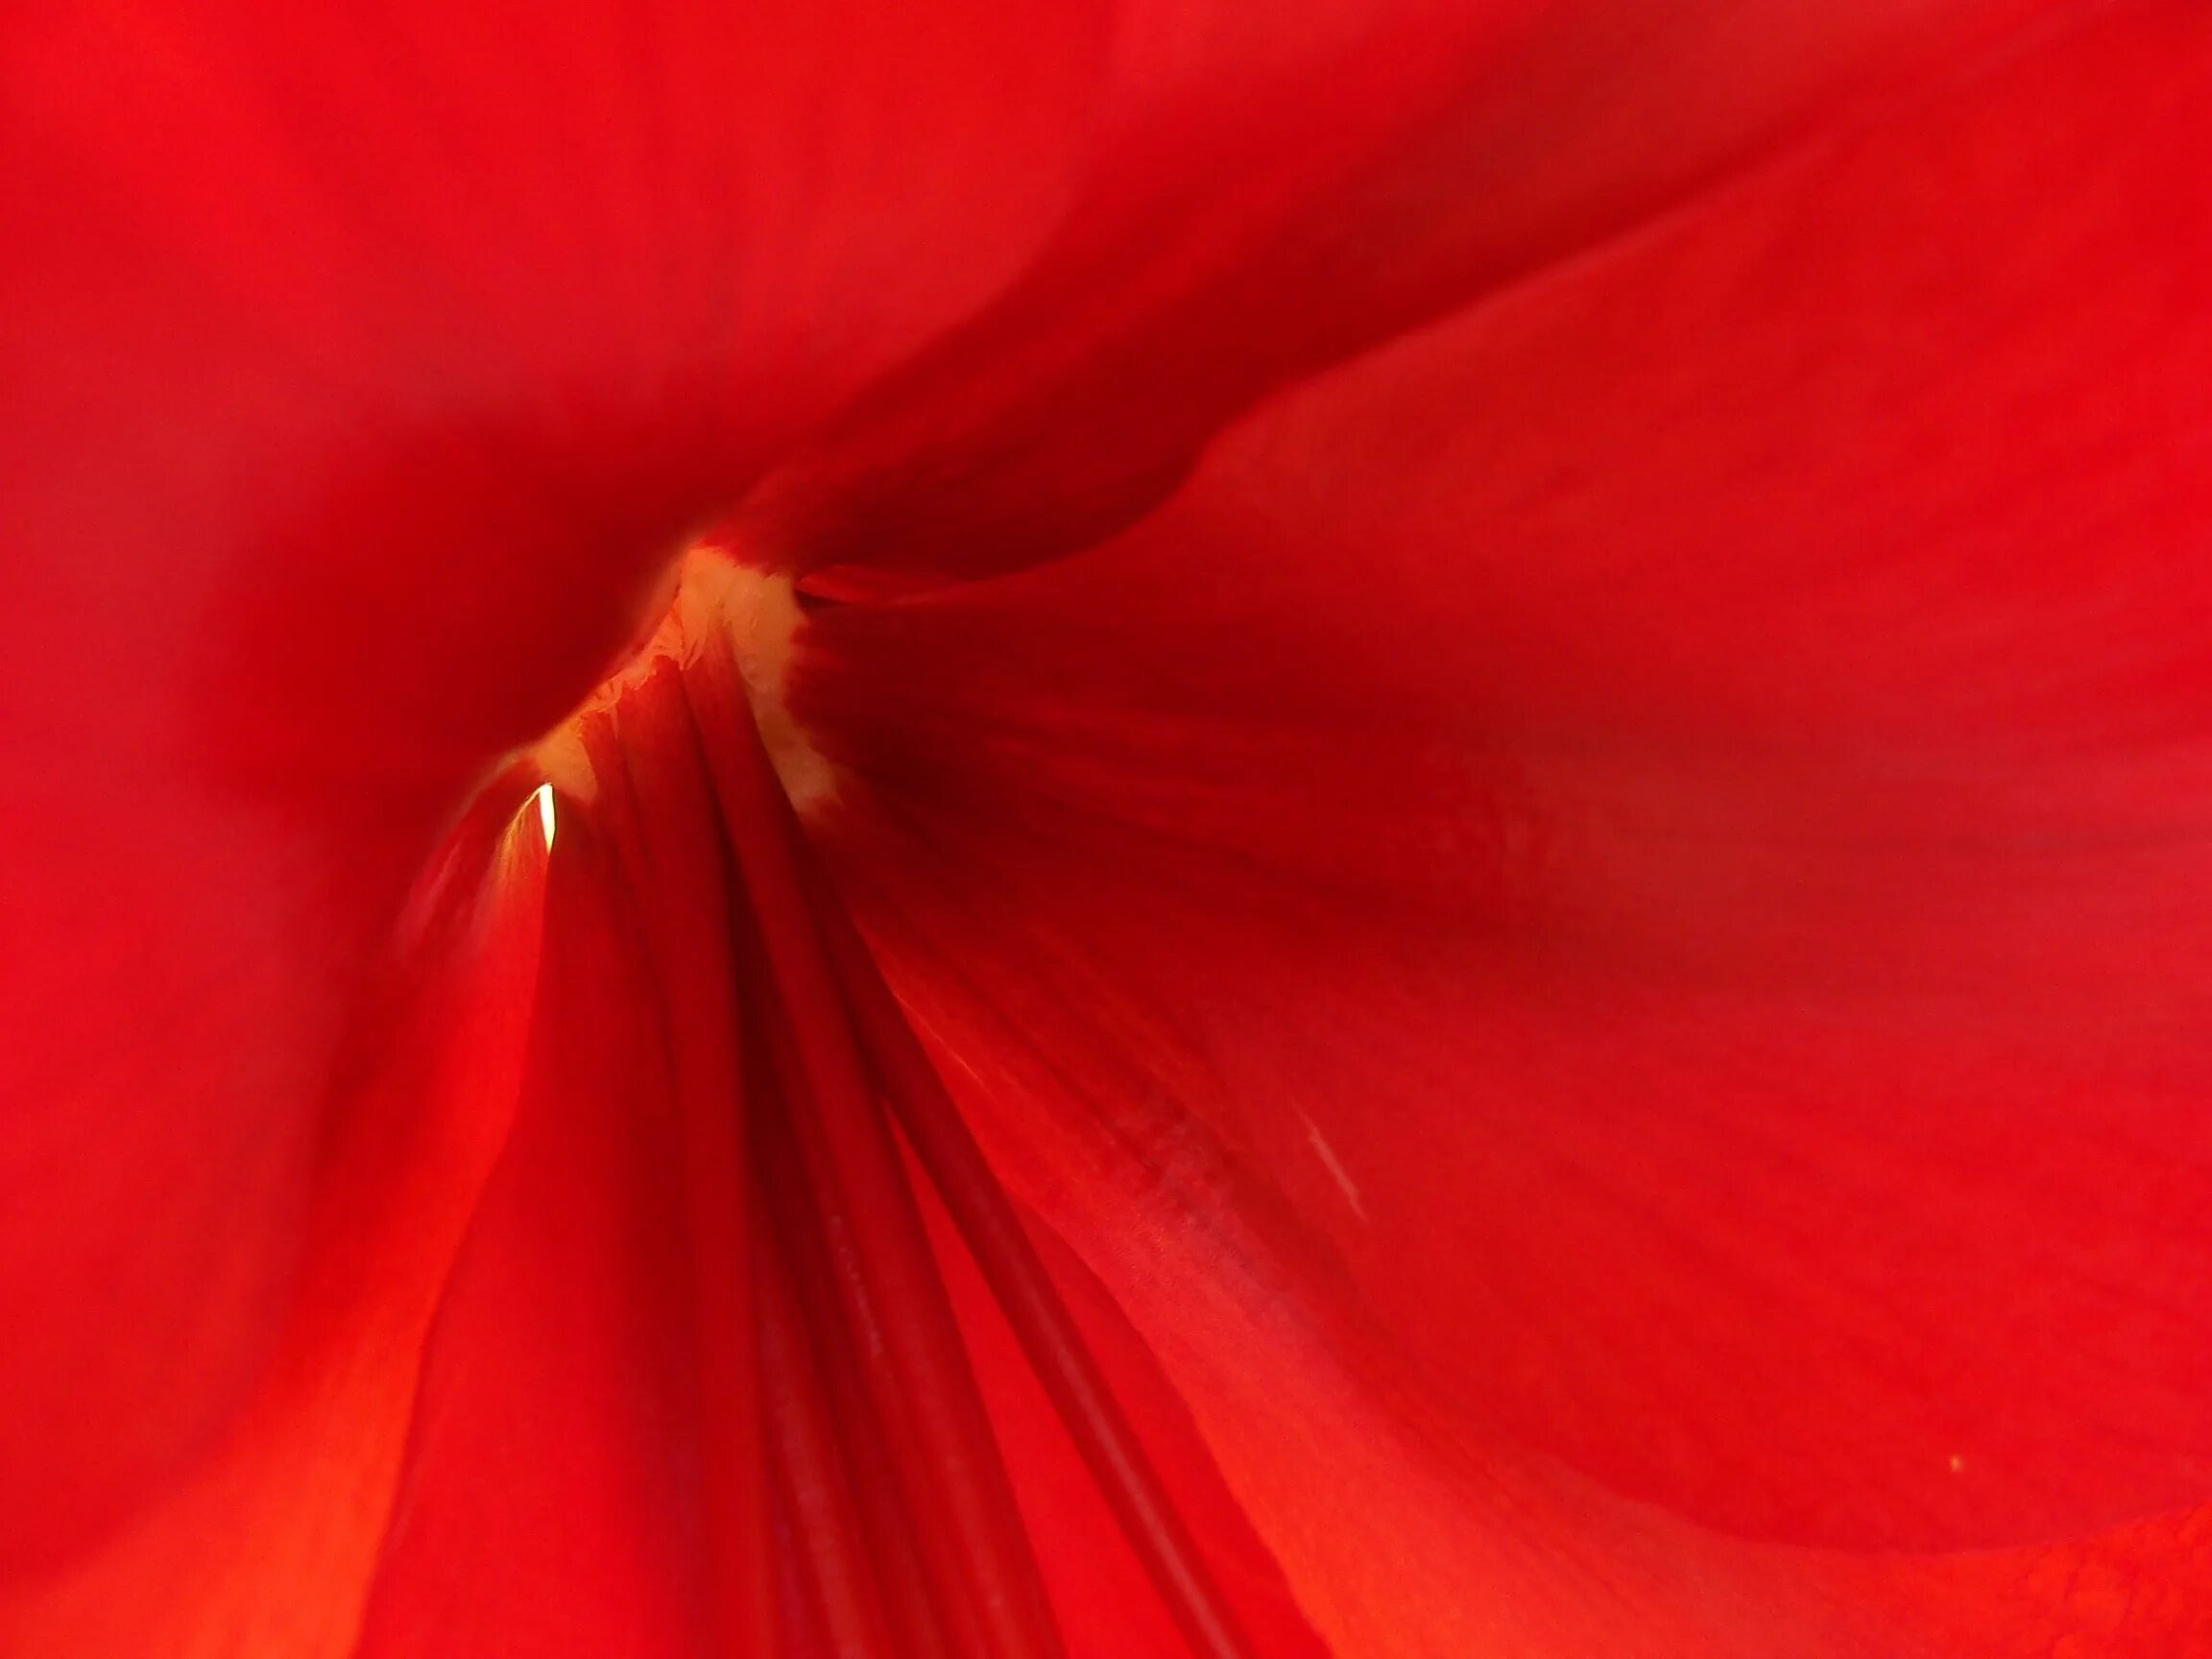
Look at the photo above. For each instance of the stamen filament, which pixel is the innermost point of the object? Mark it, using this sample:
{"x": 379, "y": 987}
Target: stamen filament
{"x": 853, "y": 1159}
{"x": 659, "y": 808}
{"x": 897, "y": 1501}
{"x": 984, "y": 1213}
{"x": 811, "y": 1481}
{"x": 830, "y": 1356}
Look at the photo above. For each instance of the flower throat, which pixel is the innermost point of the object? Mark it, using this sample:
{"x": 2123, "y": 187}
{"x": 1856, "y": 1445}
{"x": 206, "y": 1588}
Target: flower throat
{"x": 856, "y": 1497}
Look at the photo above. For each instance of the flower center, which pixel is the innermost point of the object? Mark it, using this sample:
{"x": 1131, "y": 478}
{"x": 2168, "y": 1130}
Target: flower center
{"x": 750, "y": 617}
{"x": 813, "y": 1123}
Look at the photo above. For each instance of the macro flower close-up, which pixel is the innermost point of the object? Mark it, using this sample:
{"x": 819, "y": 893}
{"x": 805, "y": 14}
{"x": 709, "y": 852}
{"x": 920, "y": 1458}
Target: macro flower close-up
{"x": 1341, "y": 830}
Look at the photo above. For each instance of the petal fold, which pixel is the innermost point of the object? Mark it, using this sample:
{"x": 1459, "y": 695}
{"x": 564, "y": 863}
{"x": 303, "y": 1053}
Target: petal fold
{"x": 1273, "y": 192}
{"x": 1636, "y": 860}
{"x": 374, "y": 360}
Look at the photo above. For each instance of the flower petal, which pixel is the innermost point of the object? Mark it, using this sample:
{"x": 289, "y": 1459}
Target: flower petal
{"x": 559, "y": 1495}
{"x": 1107, "y": 1606}
{"x": 269, "y": 1545}
{"x": 370, "y": 360}
{"x": 1638, "y": 859}
{"x": 1279, "y": 188}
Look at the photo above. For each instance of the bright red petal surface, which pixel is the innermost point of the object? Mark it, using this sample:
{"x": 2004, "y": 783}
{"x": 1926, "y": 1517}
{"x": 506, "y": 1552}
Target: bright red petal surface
{"x": 269, "y": 1545}
{"x": 368, "y": 362}
{"x": 1282, "y": 186}
{"x": 1640, "y": 860}
{"x": 1617, "y": 874}
{"x": 553, "y": 1502}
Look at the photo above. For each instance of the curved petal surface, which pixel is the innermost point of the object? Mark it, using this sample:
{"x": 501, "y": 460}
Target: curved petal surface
{"x": 1276, "y": 189}
{"x": 1638, "y": 861}
{"x": 376, "y": 358}
{"x": 269, "y": 1545}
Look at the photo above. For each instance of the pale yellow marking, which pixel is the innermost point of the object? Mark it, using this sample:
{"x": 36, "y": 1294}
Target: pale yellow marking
{"x": 758, "y": 617}
{"x": 714, "y": 602}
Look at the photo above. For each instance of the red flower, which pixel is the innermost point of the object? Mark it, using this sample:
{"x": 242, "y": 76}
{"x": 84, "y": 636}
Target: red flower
{"x": 1513, "y": 694}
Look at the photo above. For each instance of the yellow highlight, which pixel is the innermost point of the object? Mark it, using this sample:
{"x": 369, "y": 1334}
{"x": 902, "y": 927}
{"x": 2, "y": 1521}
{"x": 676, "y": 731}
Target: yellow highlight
{"x": 544, "y": 800}
{"x": 718, "y": 604}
